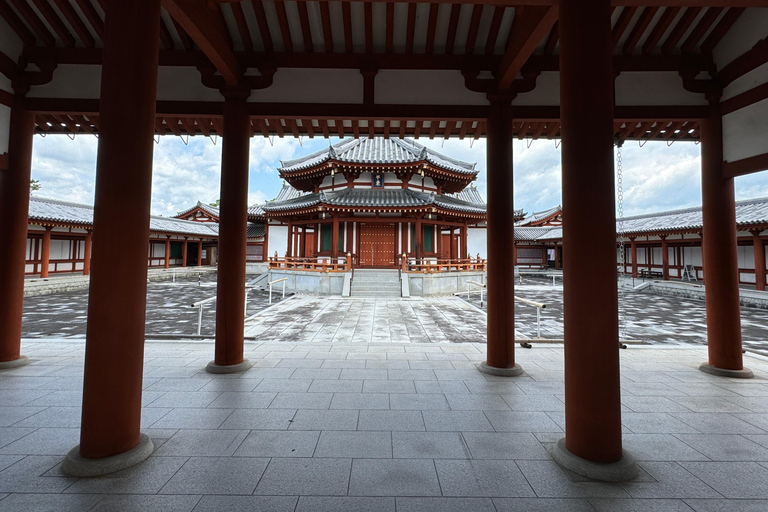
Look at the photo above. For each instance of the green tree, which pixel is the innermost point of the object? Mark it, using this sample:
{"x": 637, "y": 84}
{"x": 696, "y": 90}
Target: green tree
{"x": 216, "y": 203}
{"x": 34, "y": 185}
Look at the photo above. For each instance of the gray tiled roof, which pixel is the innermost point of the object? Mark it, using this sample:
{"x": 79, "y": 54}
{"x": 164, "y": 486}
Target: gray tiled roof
{"x": 212, "y": 210}
{"x": 255, "y": 230}
{"x": 750, "y": 212}
{"x": 470, "y": 195}
{"x": 379, "y": 150}
{"x": 532, "y": 234}
{"x": 52, "y": 210}
{"x": 391, "y": 198}
{"x": 537, "y": 216}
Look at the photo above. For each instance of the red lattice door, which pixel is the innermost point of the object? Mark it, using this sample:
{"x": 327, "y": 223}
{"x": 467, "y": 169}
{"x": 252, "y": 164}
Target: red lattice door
{"x": 377, "y": 245}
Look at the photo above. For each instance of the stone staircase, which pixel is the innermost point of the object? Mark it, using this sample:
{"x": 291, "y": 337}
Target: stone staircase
{"x": 375, "y": 284}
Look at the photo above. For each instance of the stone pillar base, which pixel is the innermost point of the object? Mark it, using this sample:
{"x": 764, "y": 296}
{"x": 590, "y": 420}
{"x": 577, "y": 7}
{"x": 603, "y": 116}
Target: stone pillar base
{"x": 500, "y": 372}
{"x": 744, "y": 373}
{"x": 229, "y": 368}
{"x": 619, "y": 471}
{"x": 21, "y": 361}
{"x": 78, "y": 466}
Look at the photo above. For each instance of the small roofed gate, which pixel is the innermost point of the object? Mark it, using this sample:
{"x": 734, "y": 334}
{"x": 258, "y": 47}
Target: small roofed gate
{"x": 377, "y": 245}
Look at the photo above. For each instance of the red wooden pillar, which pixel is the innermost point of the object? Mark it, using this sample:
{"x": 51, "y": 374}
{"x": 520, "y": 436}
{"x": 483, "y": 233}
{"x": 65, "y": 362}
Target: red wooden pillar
{"x": 114, "y": 349}
{"x": 418, "y": 244}
{"x": 302, "y": 241}
{"x": 335, "y": 239}
{"x": 45, "y": 253}
{"x": 233, "y": 224}
{"x": 557, "y": 257}
{"x": 199, "y": 253}
{"x": 14, "y": 210}
{"x": 289, "y": 248}
{"x": 87, "y": 253}
{"x": 665, "y": 257}
{"x": 184, "y": 253}
{"x": 633, "y": 252}
{"x": 590, "y": 298}
{"x": 464, "y": 241}
{"x": 501, "y": 213}
{"x": 264, "y": 252}
{"x": 759, "y": 251}
{"x": 167, "y": 260}
{"x": 719, "y": 254}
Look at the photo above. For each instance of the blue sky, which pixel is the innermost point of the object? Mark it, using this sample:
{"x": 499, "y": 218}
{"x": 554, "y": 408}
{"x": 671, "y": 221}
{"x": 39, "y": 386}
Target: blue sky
{"x": 656, "y": 177}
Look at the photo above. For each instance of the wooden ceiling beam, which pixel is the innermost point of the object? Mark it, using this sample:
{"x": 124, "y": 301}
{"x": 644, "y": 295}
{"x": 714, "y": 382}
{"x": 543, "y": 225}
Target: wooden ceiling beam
{"x": 533, "y": 26}
{"x": 55, "y": 22}
{"x": 622, "y": 23}
{"x": 261, "y": 20}
{"x": 325, "y": 20}
{"x": 37, "y": 25}
{"x": 389, "y": 28}
{"x": 77, "y": 24}
{"x": 658, "y": 31}
{"x": 474, "y": 26}
{"x": 186, "y": 41}
{"x": 680, "y": 29}
{"x": 554, "y": 35}
{"x": 429, "y": 46}
{"x": 410, "y": 31}
{"x": 306, "y": 29}
{"x": 453, "y": 25}
{"x": 639, "y": 29}
{"x": 701, "y": 28}
{"x": 242, "y": 26}
{"x": 196, "y": 19}
{"x": 493, "y": 31}
{"x": 346, "y": 18}
{"x": 90, "y": 13}
{"x": 285, "y": 28}
{"x": 18, "y": 26}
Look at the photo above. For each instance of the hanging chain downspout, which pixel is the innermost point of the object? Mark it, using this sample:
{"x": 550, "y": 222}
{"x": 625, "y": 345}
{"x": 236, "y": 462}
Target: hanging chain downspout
{"x": 620, "y": 234}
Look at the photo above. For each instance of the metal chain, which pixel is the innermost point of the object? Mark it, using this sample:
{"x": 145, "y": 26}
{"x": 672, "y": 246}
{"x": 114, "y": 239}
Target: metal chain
{"x": 620, "y": 233}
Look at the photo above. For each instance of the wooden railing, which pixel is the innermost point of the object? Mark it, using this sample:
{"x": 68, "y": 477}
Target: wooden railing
{"x": 310, "y": 264}
{"x": 459, "y": 265}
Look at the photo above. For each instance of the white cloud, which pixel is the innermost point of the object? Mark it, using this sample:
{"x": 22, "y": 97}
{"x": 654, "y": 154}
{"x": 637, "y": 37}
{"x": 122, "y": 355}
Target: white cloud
{"x": 656, "y": 177}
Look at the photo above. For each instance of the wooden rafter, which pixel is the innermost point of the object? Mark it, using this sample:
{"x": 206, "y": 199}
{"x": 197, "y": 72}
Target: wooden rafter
{"x": 285, "y": 28}
{"x": 77, "y": 24}
{"x": 346, "y": 15}
{"x": 197, "y": 21}
{"x": 410, "y": 30}
{"x": 390, "y": 28}
{"x": 90, "y": 13}
{"x": 474, "y": 26}
{"x": 18, "y": 26}
{"x": 627, "y": 13}
{"x": 531, "y": 28}
{"x": 325, "y": 20}
{"x": 701, "y": 28}
{"x": 165, "y": 36}
{"x": 37, "y": 25}
{"x": 368, "y": 14}
{"x": 682, "y": 26}
{"x": 306, "y": 30}
{"x": 186, "y": 41}
{"x": 554, "y": 35}
{"x": 431, "y": 28}
{"x": 55, "y": 22}
{"x": 453, "y": 25}
{"x": 493, "y": 31}
{"x": 661, "y": 27}
{"x": 722, "y": 27}
{"x": 261, "y": 20}
{"x": 242, "y": 26}
{"x": 639, "y": 29}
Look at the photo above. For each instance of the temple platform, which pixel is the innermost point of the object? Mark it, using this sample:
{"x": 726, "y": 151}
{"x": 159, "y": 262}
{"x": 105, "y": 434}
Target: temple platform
{"x": 384, "y": 427}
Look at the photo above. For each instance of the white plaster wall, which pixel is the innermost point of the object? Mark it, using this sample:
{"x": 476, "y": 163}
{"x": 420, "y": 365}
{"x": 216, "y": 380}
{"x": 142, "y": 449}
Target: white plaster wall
{"x": 746, "y": 256}
{"x": 5, "y": 128}
{"x": 71, "y": 81}
{"x": 547, "y": 91}
{"x": 424, "y": 87}
{"x": 751, "y": 27}
{"x": 278, "y": 240}
{"x": 183, "y": 84}
{"x": 654, "y": 88}
{"x": 749, "y": 81}
{"x": 313, "y": 86}
{"x": 477, "y": 242}
{"x": 745, "y": 132}
{"x": 60, "y": 249}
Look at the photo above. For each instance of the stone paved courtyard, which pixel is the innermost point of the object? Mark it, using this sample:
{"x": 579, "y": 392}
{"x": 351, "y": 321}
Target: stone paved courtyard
{"x": 384, "y": 427}
{"x": 168, "y": 311}
{"x": 647, "y": 318}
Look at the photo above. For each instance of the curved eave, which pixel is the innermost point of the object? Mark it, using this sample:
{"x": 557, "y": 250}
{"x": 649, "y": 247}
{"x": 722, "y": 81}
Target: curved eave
{"x": 324, "y": 207}
{"x": 57, "y": 223}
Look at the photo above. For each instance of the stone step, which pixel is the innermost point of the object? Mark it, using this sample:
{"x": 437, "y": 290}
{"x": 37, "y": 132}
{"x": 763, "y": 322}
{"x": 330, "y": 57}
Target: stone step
{"x": 377, "y": 294}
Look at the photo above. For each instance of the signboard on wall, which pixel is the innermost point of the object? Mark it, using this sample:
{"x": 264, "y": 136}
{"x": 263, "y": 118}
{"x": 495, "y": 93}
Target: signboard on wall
{"x": 377, "y": 180}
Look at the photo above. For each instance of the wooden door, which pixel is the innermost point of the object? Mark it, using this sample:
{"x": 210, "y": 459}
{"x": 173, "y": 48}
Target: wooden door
{"x": 309, "y": 247}
{"x": 445, "y": 253}
{"x": 377, "y": 245}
